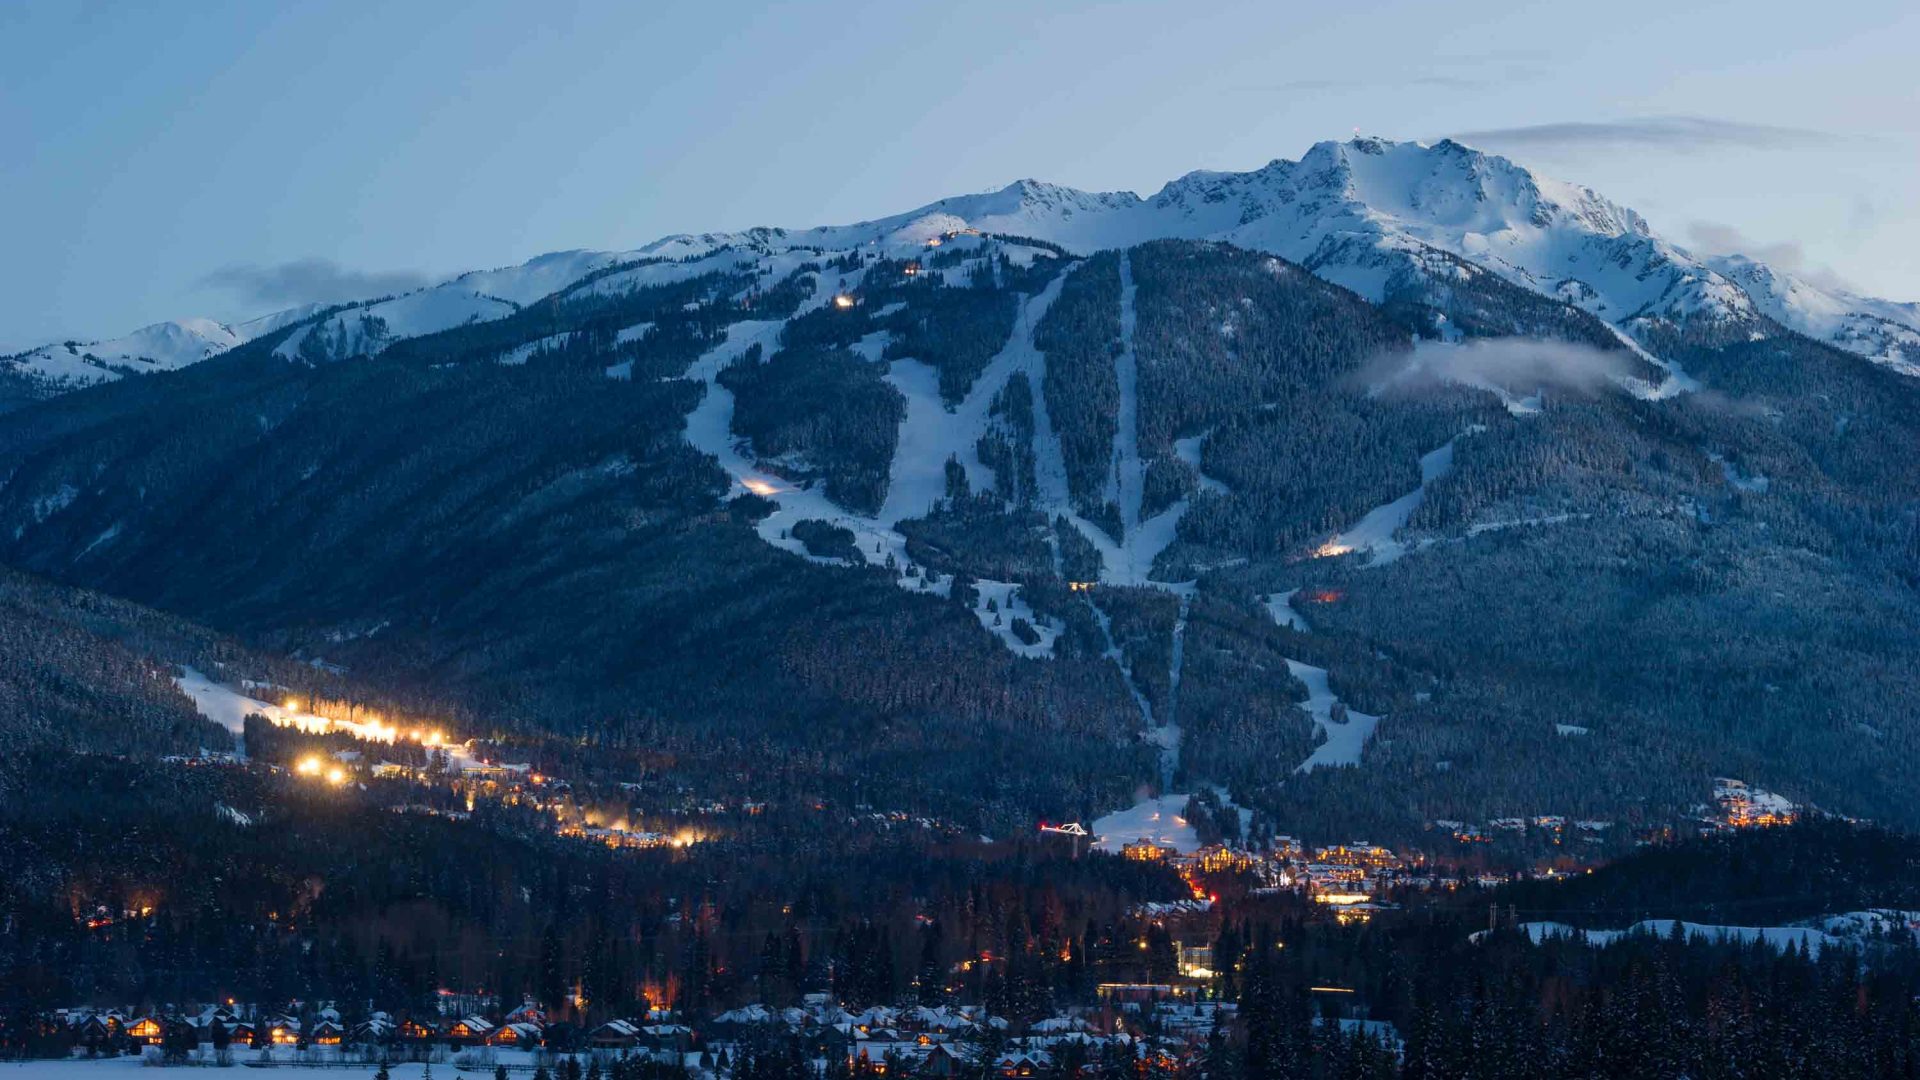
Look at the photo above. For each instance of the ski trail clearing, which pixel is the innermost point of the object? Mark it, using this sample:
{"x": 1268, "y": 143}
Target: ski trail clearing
{"x": 709, "y": 428}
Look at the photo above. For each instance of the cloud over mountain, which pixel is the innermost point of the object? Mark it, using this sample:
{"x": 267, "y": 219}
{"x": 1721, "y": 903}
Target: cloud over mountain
{"x": 310, "y": 280}
{"x": 1651, "y": 132}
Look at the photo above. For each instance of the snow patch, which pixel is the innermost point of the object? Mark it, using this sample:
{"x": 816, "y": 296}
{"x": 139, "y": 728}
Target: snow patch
{"x": 1151, "y": 820}
{"x": 1343, "y": 739}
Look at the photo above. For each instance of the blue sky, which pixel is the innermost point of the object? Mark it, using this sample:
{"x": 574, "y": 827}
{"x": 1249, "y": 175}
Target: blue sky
{"x": 208, "y": 158}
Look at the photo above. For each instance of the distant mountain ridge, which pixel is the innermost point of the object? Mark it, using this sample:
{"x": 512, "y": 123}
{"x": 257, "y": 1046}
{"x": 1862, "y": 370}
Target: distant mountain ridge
{"x": 1369, "y": 214}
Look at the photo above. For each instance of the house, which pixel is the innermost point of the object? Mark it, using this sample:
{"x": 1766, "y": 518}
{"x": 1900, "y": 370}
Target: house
{"x": 1021, "y": 1065}
{"x": 97, "y": 1029}
{"x": 214, "y": 1014}
{"x": 375, "y": 1030}
{"x": 941, "y": 1060}
{"x": 414, "y": 1031}
{"x": 326, "y": 1033}
{"x": 146, "y": 1030}
{"x": 528, "y": 1012}
{"x": 615, "y": 1035}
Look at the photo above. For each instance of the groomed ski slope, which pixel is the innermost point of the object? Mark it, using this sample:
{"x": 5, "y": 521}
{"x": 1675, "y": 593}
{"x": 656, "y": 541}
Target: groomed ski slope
{"x": 1127, "y": 563}
{"x": 1374, "y": 533}
{"x": 223, "y": 705}
{"x": 933, "y": 433}
{"x": 1343, "y": 742}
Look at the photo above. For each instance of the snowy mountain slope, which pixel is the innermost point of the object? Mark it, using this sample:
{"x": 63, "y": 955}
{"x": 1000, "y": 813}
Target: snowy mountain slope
{"x": 160, "y": 347}
{"x": 1881, "y": 330}
{"x": 478, "y": 296}
{"x": 165, "y": 346}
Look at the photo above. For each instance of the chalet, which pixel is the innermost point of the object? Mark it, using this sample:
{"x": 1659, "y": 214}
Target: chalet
{"x": 282, "y": 1031}
{"x": 524, "y": 1034}
{"x": 97, "y": 1029}
{"x": 207, "y": 1017}
{"x": 941, "y": 1021}
{"x": 326, "y": 1033}
{"x": 1022, "y": 1065}
{"x": 528, "y": 1012}
{"x": 146, "y": 1030}
{"x": 615, "y": 1035}
{"x": 467, "y": 1031}
{"x": 240, "y": 1033}
{"x": 375, "y": 1030}
{"x": 414, "y": 1031}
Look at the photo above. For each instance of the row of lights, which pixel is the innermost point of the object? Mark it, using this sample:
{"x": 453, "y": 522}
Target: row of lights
{"x": 372, "y": 728}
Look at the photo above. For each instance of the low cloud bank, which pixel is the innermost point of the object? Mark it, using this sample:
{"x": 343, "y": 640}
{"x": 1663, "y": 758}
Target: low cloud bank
{"x": 309, "y": 281}
{"x": 1521, "y": 365}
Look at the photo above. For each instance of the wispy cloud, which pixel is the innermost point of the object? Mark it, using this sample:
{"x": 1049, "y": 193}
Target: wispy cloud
{"x": 1713, "y": 238}
{"x": 1658, "y": 132}
{"x": 305, "y": 281}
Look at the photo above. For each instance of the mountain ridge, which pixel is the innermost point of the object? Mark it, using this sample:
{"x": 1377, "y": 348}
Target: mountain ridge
{"x": 1364, "y": 213}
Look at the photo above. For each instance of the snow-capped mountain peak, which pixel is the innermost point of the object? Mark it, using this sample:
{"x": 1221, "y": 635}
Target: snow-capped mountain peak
{"x": 1367, "y": 213}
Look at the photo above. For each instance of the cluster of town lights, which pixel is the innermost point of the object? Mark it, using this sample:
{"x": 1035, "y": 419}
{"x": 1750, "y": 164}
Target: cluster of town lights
{"x": 617, "y": 833}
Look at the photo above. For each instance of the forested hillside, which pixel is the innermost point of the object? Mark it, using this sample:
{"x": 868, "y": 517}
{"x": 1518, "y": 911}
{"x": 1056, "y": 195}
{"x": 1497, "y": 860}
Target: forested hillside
{"x": 984, "y": 527}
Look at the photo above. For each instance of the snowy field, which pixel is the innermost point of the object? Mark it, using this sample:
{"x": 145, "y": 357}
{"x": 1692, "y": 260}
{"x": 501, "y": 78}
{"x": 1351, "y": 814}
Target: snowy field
{"x": 1813, "y": 936}
{"x": 1849, "y": 928}
{"x": 1155, "y": 820}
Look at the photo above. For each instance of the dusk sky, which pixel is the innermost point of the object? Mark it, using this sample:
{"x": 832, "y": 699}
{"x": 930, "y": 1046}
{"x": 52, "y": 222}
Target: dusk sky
{"x": 228, "y": 159}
